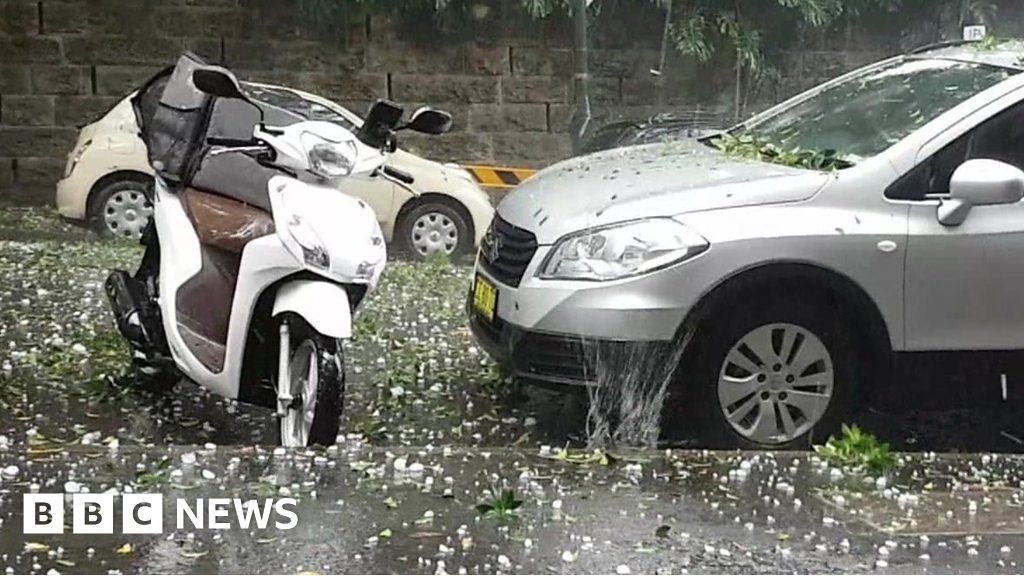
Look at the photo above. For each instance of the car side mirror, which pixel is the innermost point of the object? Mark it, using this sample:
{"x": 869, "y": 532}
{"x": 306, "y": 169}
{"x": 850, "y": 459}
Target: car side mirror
{"x": 219, "y": 82}
{"x": 980, "y": 182}
{"x": 429, "y": 121}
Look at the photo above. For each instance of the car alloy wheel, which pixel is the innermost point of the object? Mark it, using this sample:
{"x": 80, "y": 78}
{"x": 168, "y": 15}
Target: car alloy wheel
{"x": 775, "y": 383}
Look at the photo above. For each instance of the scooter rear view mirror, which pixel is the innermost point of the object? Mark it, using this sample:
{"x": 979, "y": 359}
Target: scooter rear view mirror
{"x": 218, "y": 82}
{"x": 221, "y": 82}
{"x": 380, "y": 121}
{"x": 429, "y": 121}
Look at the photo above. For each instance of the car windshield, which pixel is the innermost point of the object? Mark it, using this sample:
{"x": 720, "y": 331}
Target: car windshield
{"x": 296, "y": 104}
{"x": 866, "y": 114}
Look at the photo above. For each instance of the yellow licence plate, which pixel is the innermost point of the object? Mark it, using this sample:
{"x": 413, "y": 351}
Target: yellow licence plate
{"x": 485, "y": 297}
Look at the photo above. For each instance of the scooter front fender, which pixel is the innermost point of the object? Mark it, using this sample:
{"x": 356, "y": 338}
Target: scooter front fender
{"x": 323, "y": 304}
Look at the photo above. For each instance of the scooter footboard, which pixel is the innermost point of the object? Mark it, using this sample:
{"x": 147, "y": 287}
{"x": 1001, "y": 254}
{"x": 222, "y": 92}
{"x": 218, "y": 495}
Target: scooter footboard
{"x": 323, "y": 304}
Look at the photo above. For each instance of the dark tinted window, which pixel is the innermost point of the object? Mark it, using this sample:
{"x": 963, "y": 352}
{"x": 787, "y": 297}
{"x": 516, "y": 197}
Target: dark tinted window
{"x": 998, "y": 138}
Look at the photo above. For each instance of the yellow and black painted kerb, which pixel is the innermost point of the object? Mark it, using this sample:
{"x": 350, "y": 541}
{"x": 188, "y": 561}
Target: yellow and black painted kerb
{"x": 498, "y": 177}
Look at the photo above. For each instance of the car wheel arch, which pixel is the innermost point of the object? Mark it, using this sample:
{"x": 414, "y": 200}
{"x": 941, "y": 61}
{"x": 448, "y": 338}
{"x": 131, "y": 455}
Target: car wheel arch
{"x": 107, "y": 180}
{"x": 858, "y": 308}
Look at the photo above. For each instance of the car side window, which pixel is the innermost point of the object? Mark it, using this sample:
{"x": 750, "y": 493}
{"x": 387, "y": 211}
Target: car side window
{"x": 998, "y": 138}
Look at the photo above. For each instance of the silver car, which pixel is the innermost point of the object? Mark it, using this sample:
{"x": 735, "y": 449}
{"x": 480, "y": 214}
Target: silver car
{"x": 784, "y": 291}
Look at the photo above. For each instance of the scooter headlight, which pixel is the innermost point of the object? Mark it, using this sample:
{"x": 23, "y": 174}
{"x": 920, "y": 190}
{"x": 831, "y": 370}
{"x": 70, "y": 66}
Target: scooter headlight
{"x": 621, "y": 250}
{"x": 313, "y": 251}
{"x": 329, "y": 159}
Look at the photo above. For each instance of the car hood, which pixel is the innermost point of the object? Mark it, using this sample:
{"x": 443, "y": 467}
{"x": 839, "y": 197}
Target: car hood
{"x": 430, "y": 176}
{"x": 646, "y": 181}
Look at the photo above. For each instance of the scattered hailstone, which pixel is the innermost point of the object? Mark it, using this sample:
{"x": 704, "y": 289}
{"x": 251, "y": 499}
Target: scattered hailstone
{"x": 72, "y": 487}
{"x": 188, "y": 458}
{"x": 504, "y": 562}
{"x": 622, "y": 569}
{"x": 10, "y": 471}
{"x": 4, "y": 442}
{"x": 568, "y": 556}
{"x": 1005, "y": 550}
{"x": 208, "y": 475}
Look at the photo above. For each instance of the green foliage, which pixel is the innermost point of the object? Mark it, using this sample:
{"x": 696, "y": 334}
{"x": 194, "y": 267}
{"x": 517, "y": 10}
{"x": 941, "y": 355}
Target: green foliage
{"x": 501, "y": 506}
{"x": 752, "y": 147}
{"x": 160, "y": 474}
{"x": 990, "y": 43}
{"x": 857, "y": 449}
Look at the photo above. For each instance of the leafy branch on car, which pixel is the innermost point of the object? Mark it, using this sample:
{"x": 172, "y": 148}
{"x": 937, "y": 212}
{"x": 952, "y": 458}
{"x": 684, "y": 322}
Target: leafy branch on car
{"x": 752, "y": 147}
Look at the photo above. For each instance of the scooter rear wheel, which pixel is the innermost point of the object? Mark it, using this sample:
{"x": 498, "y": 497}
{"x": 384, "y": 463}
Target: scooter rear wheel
{"x": 318, "y": 387}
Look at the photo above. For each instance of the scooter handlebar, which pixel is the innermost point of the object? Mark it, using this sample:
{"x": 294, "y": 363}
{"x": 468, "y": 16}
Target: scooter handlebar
{"x": 233, "y": 142}
{"x": 400, "y": 175}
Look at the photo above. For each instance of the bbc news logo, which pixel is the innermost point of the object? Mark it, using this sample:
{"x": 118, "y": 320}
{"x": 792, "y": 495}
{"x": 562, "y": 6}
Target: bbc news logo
{"x": 144, "y": 514}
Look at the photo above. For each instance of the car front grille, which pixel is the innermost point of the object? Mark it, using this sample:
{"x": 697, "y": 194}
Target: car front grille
{"x": 506, "y": 251}
{"x": 552, "y": 358}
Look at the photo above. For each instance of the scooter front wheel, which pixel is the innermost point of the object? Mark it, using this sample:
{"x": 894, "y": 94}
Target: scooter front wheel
{"x": 317, "y": 385}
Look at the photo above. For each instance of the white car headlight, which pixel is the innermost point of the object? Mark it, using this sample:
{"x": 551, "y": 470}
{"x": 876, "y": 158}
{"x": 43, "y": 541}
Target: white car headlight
{"x": 329, "y": 159}
{"x": 75, "y": 157}
{"x": 621, "y": 250}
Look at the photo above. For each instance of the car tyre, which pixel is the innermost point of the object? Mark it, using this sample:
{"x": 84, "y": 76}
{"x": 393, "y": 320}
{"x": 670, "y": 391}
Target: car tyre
{"x": 121, "y": 209}
{"x": 711, "y": 368}
{"x": 433, "y": 228}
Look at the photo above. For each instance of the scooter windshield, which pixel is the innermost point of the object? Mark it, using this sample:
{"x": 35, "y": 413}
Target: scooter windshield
{"x": 172, "y": 115}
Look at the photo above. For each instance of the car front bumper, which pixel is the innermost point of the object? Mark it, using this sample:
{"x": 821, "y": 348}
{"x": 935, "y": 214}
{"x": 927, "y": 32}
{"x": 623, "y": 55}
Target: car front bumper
{"x": 554, "y": 334}
{"x": 72, "y": 195}
{"x": 553, "y": 359}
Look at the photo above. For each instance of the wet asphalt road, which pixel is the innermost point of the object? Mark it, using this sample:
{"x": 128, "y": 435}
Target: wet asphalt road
{"x": 371, "y": 509}
{"x": 419, "y": 389}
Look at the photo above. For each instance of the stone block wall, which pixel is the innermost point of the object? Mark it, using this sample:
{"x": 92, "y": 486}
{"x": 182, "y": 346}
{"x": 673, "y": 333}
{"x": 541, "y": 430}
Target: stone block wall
{"x": 64, "y": 63}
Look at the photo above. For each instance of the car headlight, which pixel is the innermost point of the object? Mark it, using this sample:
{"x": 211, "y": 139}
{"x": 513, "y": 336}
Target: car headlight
{"x": 329, "y": 159}
{"x": 75, "y": 157}
{"x": 621, "y": 250}
{"x": 313, "y": 251}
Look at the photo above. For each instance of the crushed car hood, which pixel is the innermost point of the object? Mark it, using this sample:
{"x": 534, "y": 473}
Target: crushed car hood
{"x": 644, "y": 181}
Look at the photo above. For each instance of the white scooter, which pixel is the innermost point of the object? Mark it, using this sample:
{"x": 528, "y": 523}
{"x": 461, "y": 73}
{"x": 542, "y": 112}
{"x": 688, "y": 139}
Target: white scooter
{"x": 255, "y": 305}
